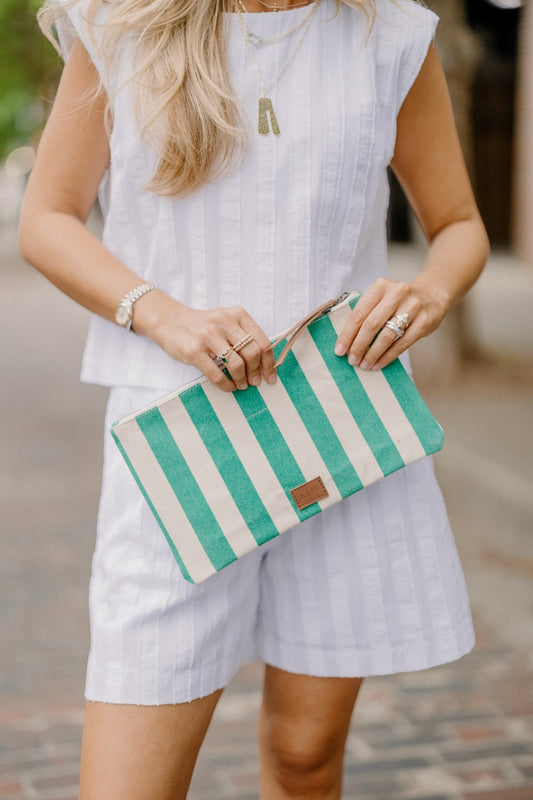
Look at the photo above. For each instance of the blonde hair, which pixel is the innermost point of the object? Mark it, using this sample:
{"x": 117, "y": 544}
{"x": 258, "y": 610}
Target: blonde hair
{"x": 186, "y": 107}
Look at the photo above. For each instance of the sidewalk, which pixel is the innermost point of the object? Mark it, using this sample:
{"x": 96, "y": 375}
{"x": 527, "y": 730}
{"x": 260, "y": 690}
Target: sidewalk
{"x": 460, "y": 732}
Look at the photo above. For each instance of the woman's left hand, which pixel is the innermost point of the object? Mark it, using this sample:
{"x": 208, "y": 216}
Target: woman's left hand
{"x": 365, "y": 337}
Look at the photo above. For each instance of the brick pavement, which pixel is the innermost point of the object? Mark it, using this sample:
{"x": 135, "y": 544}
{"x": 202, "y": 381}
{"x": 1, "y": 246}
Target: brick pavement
{"x": 459, "y": 732}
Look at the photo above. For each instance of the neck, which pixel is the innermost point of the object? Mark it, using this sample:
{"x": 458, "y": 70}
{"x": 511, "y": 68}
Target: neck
{"x": 253, "y": 6}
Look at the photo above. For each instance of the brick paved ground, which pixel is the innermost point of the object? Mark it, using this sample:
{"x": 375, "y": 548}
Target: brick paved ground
{"x": 460, "y": 732}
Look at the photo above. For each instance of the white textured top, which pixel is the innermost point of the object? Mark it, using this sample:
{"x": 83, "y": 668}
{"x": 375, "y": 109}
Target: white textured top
{"x": 303, "y": 219}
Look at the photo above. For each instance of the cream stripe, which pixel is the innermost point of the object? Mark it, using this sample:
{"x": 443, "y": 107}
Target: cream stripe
{"x": 384, "y": 401}
{"x": 340, "y": 417}
{"x": 392, "y": 415}
{"x": 168, "y": 508}
{"x": 208, "y": 477}
{"x": 297, "y": 439}
{"x": 253, "y": 458}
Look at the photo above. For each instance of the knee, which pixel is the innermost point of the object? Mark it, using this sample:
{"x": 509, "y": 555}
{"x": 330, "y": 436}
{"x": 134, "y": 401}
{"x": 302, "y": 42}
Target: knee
{"x": 303, "y": 762}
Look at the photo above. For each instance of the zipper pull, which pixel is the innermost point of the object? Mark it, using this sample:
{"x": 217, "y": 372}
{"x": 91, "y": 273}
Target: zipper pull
{"x": 341, "y": 298}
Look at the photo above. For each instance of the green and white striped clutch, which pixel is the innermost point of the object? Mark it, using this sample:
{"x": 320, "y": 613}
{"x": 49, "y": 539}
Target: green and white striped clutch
{"x": 225, "y": 473}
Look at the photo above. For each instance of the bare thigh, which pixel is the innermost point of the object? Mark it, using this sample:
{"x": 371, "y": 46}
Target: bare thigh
{"x": 142, "y": 752}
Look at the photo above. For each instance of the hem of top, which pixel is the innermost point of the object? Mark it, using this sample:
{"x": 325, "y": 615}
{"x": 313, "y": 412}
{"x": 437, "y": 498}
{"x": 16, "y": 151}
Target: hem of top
{"x": 111, "y": 381}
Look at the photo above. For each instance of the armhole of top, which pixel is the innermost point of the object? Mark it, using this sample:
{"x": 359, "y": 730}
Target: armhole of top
{"x": 72, "y": 26}
{"x": 418, "y": 38}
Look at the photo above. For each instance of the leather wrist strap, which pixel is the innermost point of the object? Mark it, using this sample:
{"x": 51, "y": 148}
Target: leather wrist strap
{"x": 292, "y": 334}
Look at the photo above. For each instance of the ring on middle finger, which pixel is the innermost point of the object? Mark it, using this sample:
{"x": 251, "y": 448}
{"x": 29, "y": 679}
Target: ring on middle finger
{"x": 242, "y": 343}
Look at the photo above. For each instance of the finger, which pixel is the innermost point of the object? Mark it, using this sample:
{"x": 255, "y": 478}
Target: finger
{"x": 250, "y": 353}
{"x": 237, "y": 369}
{"x": 215, "y": 374}
{"x": 231, "y": 361}
{"x": 267, "y": 361}
{"x": 381, "y": 344}
{"x": 268, "y": 365}
{"x": 389, "y": 345}
{"x": 354, "y": 322}
{"x": 366, "y": 320}
{"x": 391, "y": 331}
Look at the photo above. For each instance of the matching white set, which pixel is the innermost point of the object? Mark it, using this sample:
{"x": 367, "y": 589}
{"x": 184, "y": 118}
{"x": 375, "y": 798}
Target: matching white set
{"x": 372, "y": 585}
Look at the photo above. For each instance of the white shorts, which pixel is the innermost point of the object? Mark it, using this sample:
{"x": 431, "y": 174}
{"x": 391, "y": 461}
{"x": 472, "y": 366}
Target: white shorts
{"x": 371, "y": 586}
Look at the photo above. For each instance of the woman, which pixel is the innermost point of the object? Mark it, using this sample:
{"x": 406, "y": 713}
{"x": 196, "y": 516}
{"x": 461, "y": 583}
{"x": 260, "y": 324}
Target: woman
{"x": 240, "y": 150}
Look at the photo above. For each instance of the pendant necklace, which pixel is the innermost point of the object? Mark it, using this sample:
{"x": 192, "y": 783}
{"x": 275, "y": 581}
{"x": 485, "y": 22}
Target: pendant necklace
{"x": 266, "y": 110}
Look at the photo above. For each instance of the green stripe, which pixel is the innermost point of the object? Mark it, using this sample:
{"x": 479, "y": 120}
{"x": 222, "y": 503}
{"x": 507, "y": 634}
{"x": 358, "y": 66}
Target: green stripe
{"x": 185, "y": 487}
{"x": 274, "y": 446}
{"x": 356, "y": 398}
{"x": 422, "y": 421}
{"x": 229, "y": 465}
{"x": 424, "y": 424}
{"x": 181, "y": 563}
{"x": 319, "y": 427}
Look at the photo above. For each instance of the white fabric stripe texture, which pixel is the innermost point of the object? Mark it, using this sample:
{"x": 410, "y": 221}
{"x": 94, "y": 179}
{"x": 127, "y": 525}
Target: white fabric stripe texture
{"x": 224, "y": 473}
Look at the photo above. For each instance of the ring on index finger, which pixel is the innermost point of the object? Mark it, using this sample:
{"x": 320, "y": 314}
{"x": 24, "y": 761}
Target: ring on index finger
{"x": 225, "y": 355}
{"x": 222, "y": 359}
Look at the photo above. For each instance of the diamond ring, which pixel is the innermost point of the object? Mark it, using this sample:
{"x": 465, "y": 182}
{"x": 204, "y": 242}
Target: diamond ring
{"x": 398, "y": 324}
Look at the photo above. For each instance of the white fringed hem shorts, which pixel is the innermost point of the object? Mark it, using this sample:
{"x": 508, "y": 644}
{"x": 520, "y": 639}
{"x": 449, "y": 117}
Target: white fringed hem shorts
{"x": 371, "y": 586}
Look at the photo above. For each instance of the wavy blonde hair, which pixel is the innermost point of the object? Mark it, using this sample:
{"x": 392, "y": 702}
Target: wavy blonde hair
{"x": 186, "y": 107}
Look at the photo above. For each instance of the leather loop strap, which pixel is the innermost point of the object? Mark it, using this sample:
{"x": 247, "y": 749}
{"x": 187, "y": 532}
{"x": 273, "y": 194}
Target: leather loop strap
{"x": 292, "y": 334}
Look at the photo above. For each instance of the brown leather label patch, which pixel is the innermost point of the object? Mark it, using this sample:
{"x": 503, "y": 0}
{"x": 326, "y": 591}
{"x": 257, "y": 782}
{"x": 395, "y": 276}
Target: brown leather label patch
{"x": 309, "y": 493}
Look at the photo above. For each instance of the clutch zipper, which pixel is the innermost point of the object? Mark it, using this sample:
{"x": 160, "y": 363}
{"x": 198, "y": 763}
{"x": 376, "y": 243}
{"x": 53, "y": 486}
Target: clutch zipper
{"x": 342, "y": 299}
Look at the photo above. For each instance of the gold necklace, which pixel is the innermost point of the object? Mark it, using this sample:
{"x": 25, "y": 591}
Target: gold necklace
{"x": 266, "y": 109}
{"x": 259, "y": 41}
{"x": 275, "y": 7}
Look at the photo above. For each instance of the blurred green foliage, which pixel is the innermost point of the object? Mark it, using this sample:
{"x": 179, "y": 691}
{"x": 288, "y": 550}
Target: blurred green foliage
{"x": 29, "y": 70}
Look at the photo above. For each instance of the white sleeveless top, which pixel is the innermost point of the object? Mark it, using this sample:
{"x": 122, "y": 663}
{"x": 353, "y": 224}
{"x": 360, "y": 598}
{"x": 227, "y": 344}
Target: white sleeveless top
{"x": 302, "y": 219}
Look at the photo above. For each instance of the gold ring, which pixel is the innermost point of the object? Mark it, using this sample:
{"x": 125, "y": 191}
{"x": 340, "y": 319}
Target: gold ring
{"x": 223, "y": 357}
{"x": 242, "y": 343}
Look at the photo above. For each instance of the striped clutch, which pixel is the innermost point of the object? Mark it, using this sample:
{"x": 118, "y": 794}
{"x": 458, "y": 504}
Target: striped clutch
{"x": 225, "y": 473}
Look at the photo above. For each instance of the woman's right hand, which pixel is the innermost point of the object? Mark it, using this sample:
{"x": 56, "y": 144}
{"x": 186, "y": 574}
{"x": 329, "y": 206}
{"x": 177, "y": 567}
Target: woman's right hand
{"x": 199, "y": 337}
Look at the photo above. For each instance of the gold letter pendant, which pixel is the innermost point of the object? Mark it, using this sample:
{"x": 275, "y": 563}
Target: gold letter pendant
{"x": 266, "y": 109}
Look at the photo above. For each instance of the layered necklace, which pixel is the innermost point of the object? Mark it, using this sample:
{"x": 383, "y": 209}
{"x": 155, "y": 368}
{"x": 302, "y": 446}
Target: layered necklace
{"x": 251, "y": 39}
{"x": 275, "y": 7}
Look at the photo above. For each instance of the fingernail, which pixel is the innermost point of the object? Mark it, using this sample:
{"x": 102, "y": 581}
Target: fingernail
{"x": 255, "y": 380}
{"x": 340, "y": 350}
{"x": 271, "y": 378}
{"x": 353, "y": 360}
{"x": 364, "y": 365}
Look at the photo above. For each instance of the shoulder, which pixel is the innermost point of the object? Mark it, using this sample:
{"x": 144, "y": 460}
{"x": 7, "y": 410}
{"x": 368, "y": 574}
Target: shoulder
{"x": 81, "y": 19}
{"x": 403, "y": 18}
{"x": 84, "y": 20}
{"x": 402, "y": 34}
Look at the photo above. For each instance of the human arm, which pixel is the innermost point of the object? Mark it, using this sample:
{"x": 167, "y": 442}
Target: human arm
{"x": 429, "y": 165}
{"x": 72, "y": 159}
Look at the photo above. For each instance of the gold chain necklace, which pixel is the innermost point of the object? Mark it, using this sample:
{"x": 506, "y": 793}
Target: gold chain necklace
{"x": 266, "y": 109}
{"x": 259, "y": 41}
{"x": 275, "y": 7}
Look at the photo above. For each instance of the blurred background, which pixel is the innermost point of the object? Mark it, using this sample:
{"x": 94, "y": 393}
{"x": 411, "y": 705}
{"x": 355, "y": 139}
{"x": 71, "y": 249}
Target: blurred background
{"x": 459, "y": 732}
